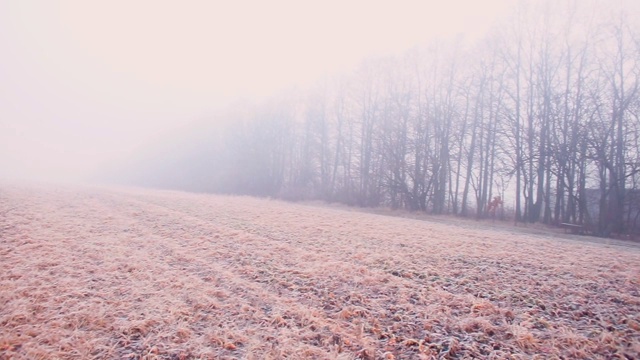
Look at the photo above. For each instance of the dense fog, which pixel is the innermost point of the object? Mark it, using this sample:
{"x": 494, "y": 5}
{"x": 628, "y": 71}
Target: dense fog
{"x": 86, "y": 86}
{"x": 532, "y": 105}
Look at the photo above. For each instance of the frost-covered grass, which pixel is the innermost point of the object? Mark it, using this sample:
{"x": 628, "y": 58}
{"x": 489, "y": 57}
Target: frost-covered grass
{"x": 122, "y": 273}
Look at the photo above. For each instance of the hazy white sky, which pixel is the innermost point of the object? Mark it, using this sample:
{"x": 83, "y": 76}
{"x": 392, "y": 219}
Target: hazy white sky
{"x": 85, "y": 82}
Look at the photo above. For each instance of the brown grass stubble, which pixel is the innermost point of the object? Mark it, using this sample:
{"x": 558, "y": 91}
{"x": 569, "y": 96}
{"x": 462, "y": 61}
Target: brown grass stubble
{"x": 103, "y": 273}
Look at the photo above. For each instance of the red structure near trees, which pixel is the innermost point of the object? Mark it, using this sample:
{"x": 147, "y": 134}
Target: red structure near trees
{"x": 493, "y": 206}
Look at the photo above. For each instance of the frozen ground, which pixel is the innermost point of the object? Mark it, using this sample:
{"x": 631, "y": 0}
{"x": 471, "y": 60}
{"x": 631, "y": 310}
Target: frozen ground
{"x": 121, "y": 273}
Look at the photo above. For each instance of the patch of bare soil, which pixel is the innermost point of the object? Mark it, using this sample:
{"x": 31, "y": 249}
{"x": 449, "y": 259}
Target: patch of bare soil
{"x": 88, "y": 273}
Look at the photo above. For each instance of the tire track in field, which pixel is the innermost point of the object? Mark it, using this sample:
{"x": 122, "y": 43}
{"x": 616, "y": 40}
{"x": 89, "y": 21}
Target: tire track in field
{"x": 141, "y": 254}
{"x": 411, "y": 311}
{"x": 552, "y": 276}
{"x": 341, "y": 298}
{"x": 247, "y": 275}
{"x": 164, "y": 275}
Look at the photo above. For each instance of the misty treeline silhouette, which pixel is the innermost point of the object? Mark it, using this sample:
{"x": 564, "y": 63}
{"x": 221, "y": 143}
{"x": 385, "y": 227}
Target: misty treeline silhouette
{"x": 544, "y": 112}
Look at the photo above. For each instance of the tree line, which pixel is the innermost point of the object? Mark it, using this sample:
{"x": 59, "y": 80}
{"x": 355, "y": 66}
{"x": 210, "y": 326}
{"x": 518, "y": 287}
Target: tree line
{"x": 543, "y": 112}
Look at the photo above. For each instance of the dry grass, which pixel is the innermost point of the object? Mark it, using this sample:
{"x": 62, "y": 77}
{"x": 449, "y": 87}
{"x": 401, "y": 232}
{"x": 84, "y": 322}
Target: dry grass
{"x": 139, "y": 274}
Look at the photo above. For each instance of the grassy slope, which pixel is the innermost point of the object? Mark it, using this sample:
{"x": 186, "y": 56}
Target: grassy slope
{"x": 113, "y": 273}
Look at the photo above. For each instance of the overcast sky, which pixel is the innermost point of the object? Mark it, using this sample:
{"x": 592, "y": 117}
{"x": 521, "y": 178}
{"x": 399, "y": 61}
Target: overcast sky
{"x": 84, "y": 83}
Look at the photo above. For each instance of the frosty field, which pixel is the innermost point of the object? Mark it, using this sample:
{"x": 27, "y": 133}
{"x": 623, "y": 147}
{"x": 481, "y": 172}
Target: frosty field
{"x": 99, "y": 273}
